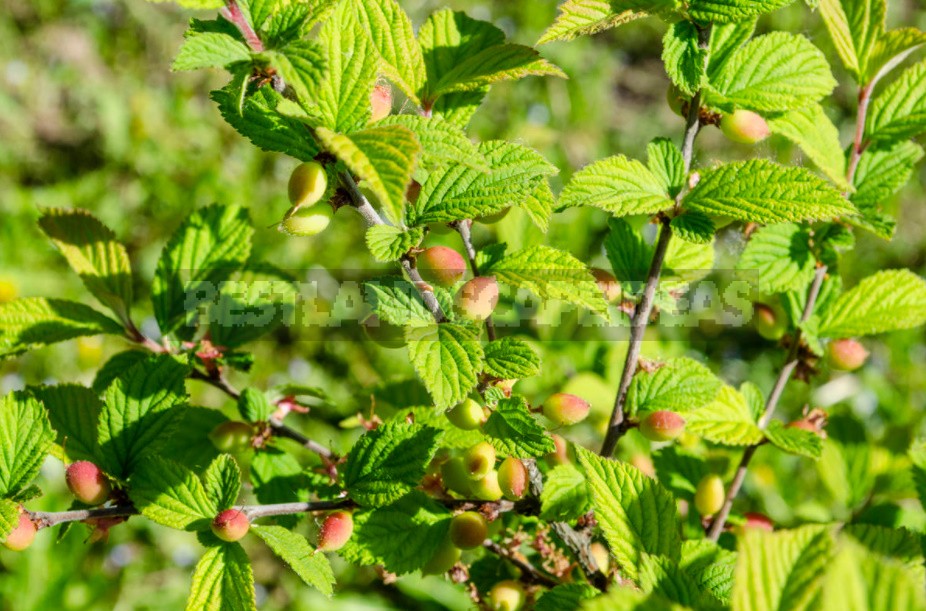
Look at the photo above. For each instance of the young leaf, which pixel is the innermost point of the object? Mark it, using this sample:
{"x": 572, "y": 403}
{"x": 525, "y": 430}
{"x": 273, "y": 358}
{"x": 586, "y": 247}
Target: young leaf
{"x": 250, "y": 304}
{"x": 382, "y": 156}
{"x": 781, "y": 257}
{"x": 617, "y": 185}
{"x": 222, "y": 580}
{"x": 855, "y": 27}
{"x": 637, "y": 515}
{"x": 442, "y": 142}
{"x": 711, "y": 566}
{"x": 388, "y": 243}
{"x": 389, "y": 461}
{"x": 33, "y": 322}
{"x": 254, "y": 406}
{"x": 222, "y": 480}
{"x": 211, "y": 243}
{"x": 565, "y": 494}
{"x": 899, "y": 112}
{"x": 628, "y": 254}
{"x": 857, "y": 579}
{"x": 301, "y": 65}
{"x": 683, "y": 57}
{"x": 513, "y": 431}
{"x": 313, "y": 568}
{"x": 728, "y": 420}
{"x": 794, "y": 440}
{"x": 27, "y": 437}
{"x": 510, "y": 358}
{"x": 725, "y": 11}
{"x": 891, "y": 49}
{"x": 663, "y": 577}
{"x": 73, "y": 411}
{"x": 761, "y": 191}
{"x": 539, "y": 205}
{"x": 888, "y": 300}
{"x": 880, "y": 173}
{"x": 679, "y": 385}
{"x": 397, "y": 301}
{"x": 209, "y": 50}
{"x": 898, "y": 544}
{"x": 491, "y": 65}
{"x": 814, "y": 132}
{"x": 390, "y": 32}
{"x": 447, "y": 357}
{"x": 665, "y": 161}
{"x": 171, "y": 495}
{"x": 725, "y": 40}
{"x": 694, "y": 227}
{"x": 584, "y": 18}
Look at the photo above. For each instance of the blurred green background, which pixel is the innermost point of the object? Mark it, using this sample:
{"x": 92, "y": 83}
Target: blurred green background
{"x": 92, "y": 117}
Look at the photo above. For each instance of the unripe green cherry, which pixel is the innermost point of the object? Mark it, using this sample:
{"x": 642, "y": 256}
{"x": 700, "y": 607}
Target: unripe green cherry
{"x": 674, "y": 99}
{"x": 846, "y": 354}
{"x": 468, "y": 530}
{"x": 87, "y": 482}
{"x": 443, "y": 559}
{"x": 479, "y": 460}
{"x": 441, "y": 265}
{"x": 22, "y": 536}
{"x": 232, "y": 437}
{"x": 303, "y": 224}
{"x": 307, "y": 184}
{"x": 709, "y": 495}
{"x": 477, "y": 299}
{"x": 468, "y": 415}
{"x": 230, "y": 525}
{"x": 513, "y": 479}
{"x": 335, "y": 531}
{"x": 745, "y": 127}
{"x": 770, "y": 323}
{"x": 487, "y": 487}
{"x": 456, "y": 476}
{"x": 383, "y": 333}
{"x": 507, "y": 595}
{"x": 380, "y": 102}
{"x": 601, "y": 555}
{"x": 608, "y": 284}
{"x": 565, "y": 409}
{"x": 662, "y": 425}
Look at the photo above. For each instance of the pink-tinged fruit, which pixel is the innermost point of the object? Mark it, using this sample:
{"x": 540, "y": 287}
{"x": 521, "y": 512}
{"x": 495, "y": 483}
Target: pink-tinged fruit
{"x": 769, "y": 323}
{"x": 758, "y": 521}
{"x": 441, "y": 265}
{"x": 846, "y": 354}
{"x": 745, "y": 127}
{"x": 307, "y": 184}
{"x": 662, "y": 425}
{"x": 230, "y": 525}
{"x": 559, "y": 456}
{"x": 513, "y": 479}
{"x": 608, "y": 284}
{"x": 22, "y": 536}
{"x": 487, "y": 487}
{"x": 87, "y": 482}
{"x": 507, "y": 595}
{"x": 468, "y": 530}
{"x": 565, "y": 409}
{"x": 477, "y": 299}
{"x": 335, "y": 531}
{"x": 709, "y": 495}
{"x": 468, "y": 415}
{"x": 380, "y": 102}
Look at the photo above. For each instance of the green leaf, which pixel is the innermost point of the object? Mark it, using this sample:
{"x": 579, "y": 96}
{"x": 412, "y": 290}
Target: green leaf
{"x": 550, "y": 274}
{"x": 92, "y": 251}
{"x": 493, "y": 64}
{"x": 917, "y": 455}
{"x": 401, "y": 536}
{"x": 781, "y": 570}
{"x": 794, "y": 440}
{"x": 312, "y": 568}
{"x": 397, "y": 301}
{"x": 73, "y": 411}
{"x": 665, "y": 161}
{"x": 814, "y": 132}
{"x": 301, "y": 65}
{"x": 898, "y": 544}
{"x": 292, "y": 21}
{"x": 780, "y": 256}
{"x": 694, "y": 227}
{"x": 186, "y": 443}
{"x": 171, "y": 495}
{"x": 711, "y": 566}
{"x": 761, "y": 191}
{"x": 222, "y": 480}
{"x": 9, "y": 517}
{"x": 460, "y": 192}
{"x": 617, "y": 185}
{"x": 880, "y": 174}
{"x": 584, "y": 18}
{"x": 628, "y": 254}
{"x": 388, "y": 243}
{"x": 509, "y": 358}
{"x": 384, "y": 157}
{"x": 209, "y": 50}
{"x": 899, "y": 112}
{"x": 344, "y": 96}
{"x": 683, "y": 57}
{"x": 772, "y": 73}
{"x": 889, "y": 300}
{"x": 539, "y": 205}
{"x": 728, "y": 420}
{"x": 33, "y": 322}
{"x": 442, "y": 143}
{"x": 855, "y": 27}
{"x": 211, "y": 243}
{"x": 390, "y": 32}
{"x": 846, "y": 467}
{"x": 565, "y": 597}
{"x": 728, "y": 11}
{"x": 663, "y": 577}
{"x": 513, "y": 431}
{"x": 114, "y": 367}
{"x": 250, "y": 304}
{"x": 679, "y": 385}
{"x": 447, "y": 357}
{"x": 27, "y": 437}
{"x": 222, "y": 580}
{"x": 254, "y": 406}
{"x": 565, "y": 494}
{"x": 141, "y": 408}
{"x": 726, "y": 39}
{"x": 891, "y": 49}
{"x": 278, "y": 478}
{"x": 636, "y": 514}
{"x": 389, "y": 461}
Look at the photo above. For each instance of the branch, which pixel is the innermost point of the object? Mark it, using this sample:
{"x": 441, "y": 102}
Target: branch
{"x": 720, "y": 520}
{"x": 529, "y": 573}
{"x": 232, "y": 12}
{"x": 254, "y": 512}
{"x": 47, "y": 519}
{"x": 464, "y": 228}
{"x": 282, "y": 430}
{"x": 859, "y": 144}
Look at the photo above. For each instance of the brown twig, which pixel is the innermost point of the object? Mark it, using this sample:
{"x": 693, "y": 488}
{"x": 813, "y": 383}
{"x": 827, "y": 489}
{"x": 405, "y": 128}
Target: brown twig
{"x": 529, "y": 573}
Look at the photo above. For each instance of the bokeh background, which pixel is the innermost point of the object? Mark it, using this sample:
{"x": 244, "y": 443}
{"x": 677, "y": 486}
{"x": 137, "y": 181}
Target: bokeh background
{"x": 92, "y": 117}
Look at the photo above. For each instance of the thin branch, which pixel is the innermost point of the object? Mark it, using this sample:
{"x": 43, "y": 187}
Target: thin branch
{"x": 47, "y": 519}
{"x": 529, "y": 573}
{"x": 464, "y": 228}
{"x": 281, "y": 430}
{"x": 217, "y": 381}
{"x": 253, "y": 512}
{"x": 720, "y": 520}
{"x": 859, "y": 144}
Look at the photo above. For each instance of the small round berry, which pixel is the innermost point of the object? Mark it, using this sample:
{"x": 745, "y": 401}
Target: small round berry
{"x": 307, "y": 184}
{"x": 601, "y": 555}
{"x": 709, "y": 495}
{"x": 662, "y": 425}
{"x": 441, "y": 265}
{"x": 380, "y": 102}
{"x": 846, "y": 354}
{"x": 468, "y": 530}
{"x": 565, "y": 409}
{"x": 468, "y": 415}
{"x": 479, "y": 460}
{"x": 759, "y": 521}
{"x": 560, "y": 455}
{"x": 232, "y": 437}
{"x": 230, "y": 525}
{"x": 443, "y": 559}
{"x": 487, "y": 487}
{"x": 22, "y": 536}
{"x": 770, "y": 323}
{"x": 507, "y": 595}
{"x": 745, "y": 127}
{"x": 477, "y": 299}
{"x": 383, "y": 333}
{"x": 513, "y": 479}
{"x": 87, "y": 482}
{"x": 335, "y": 531}
{"x": 456, "y": 476}
{"x": 306, "y": 224}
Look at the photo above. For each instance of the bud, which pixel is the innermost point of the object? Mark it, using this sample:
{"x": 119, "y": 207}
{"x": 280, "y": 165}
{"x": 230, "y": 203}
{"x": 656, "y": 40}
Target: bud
{"x": 335, "y": 531}
{"x": 306, "y": 224}
{"x": 22, "y": 536}
{"x": 441, "y": 265}
{"x": 506, "y": 595}
{"x": 232, "y": 437}
{"x": 662, "y": 425}
{"x": 87, "y": 482}
{"x": 307, "y": 184}
{"x": 467, "y": 415}
{"x": 477, "y": 299}
{"x": 513, "y": 479}
{"x": 709, "y": 496}
{"x": 380, "y": 102}
{"x": 443, "y": 559}
{"x": 559, "y": 456}
{"x": 565, "y": 409}
{"x": 456, "y": 476}
{"x": 479, "y": 460}
{"x": 769, "y": 322}
{"x": 846, "y": 354}
{"x": 745, "y": 127}
{"x": 608, "y": 284}
{"x": 487, "y": 487}
{"x": 468, "y": 530}
{"x": 230, "y": 525}
{"x": 601, "y": 555}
